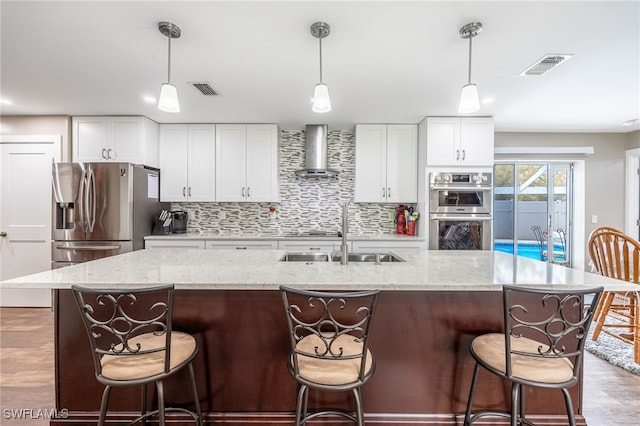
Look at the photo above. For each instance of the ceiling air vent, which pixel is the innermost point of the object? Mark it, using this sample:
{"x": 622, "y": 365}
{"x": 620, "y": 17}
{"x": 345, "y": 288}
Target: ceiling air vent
{"x": 204, "y": 88}
{"x": 545, "y": 64}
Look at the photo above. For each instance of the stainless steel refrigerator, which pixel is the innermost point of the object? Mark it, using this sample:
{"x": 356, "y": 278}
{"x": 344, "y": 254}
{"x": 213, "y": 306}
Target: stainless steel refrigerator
{"x": 102, "y": 209}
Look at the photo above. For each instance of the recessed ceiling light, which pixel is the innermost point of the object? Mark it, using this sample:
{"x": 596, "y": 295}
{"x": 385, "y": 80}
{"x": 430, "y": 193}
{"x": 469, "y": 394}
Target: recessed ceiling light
{"x": 149, "y": 99}
{"x": 629, "y": 122}
{"x": 486, "y": 101}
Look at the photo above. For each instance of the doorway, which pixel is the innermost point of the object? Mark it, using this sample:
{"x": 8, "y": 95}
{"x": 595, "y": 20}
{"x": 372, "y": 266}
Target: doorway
{"x": 25, "y": 213}
{"x": 533, "y": 210}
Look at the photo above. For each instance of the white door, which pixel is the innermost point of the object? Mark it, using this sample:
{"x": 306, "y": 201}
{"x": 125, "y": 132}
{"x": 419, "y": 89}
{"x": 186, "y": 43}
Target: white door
{"x": 231, "y": 162}
{"x": 25, "y": 213}
{"x": 202, "y": 160}
{"x": 371, "y": 163}
{"x": 262, "y": 163}
{"x": 173, "y": 162}
{"x": 402, "y": 163}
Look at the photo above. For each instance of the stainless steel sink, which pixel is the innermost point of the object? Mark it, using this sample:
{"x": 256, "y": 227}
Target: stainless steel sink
{"x": 335, "y": 257}
{"x": 306, "y": 257}
{"x": 370, "y": 257}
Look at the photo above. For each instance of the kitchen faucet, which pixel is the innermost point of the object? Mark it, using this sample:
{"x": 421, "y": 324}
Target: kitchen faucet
{"x": 344, "y": 249}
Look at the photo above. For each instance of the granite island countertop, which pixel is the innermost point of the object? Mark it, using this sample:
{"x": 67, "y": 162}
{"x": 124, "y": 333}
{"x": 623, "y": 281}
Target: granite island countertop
{"x": 423, "y": 270}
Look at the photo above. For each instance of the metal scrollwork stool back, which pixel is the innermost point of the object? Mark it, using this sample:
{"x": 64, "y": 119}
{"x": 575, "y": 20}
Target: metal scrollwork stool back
{"x": 329, "y": 337}
{"x": 542, "y": 346}
{"x": 133, "y": 343}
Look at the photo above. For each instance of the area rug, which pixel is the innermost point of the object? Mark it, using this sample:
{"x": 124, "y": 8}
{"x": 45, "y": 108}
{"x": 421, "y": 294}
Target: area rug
{"x": 614, "y": 351}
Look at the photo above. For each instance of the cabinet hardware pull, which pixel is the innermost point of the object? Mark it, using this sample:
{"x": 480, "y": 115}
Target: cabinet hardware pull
{"x": 104, "y": 153}
{"x": 241, "y": 248}
{"x": 189, "y": 192}
{"x": 388, "y": 192}
{"x": 384, "y": 194}
{"x": 3, "y": 234}
{"x": 464, "y": 154}
{"x": 109, "y": 157}
{"x": 457, "y": 154}
{"x": 184, "y": 191}
{"x": 248, "y": 192}
{"x": 243, "y": 192}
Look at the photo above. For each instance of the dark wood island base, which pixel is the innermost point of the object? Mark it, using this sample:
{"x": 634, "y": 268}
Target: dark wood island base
{"x": 420, "y": 340}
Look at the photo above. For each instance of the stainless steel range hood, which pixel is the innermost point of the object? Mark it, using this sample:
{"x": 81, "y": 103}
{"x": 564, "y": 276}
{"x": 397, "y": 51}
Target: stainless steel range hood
{"x": 316, "y": 153}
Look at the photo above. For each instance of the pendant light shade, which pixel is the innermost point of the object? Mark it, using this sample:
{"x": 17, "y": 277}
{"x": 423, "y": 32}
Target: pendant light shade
{"x": 169, "y": 98}
{"x": 469, "y": 100}
{"x": 168, "y": 101}
{"x": 321, "y": 101}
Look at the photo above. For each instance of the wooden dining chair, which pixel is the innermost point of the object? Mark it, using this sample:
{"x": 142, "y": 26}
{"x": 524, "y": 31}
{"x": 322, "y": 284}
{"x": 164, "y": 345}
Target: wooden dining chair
{"x": 617, "y": 255}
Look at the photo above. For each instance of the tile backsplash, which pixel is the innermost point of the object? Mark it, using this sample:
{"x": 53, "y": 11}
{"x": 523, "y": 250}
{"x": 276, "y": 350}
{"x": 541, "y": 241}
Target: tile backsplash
{"x": 306, "y": 204}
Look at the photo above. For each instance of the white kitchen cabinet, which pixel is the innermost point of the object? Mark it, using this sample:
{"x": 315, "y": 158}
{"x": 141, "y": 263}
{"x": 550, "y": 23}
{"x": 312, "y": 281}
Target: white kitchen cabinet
{"x": 247, "y": 160}
{"x": 174, "y": 243}
{"x": 111, "y": 139}
{"x": 187, "y": 162}
{"x": 460, "y": 141}
{"x": 386, "y": 163}
{"x": 378, "y": 246}
{"x": 310, "y": 246}
{"x": 241, "y": 244}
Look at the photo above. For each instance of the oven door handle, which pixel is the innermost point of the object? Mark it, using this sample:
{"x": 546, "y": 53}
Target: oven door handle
{"x": 466, "y": 218}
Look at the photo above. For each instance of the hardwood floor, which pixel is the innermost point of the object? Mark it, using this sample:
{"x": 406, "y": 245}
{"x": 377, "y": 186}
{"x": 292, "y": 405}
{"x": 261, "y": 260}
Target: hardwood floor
{"x": 611, "y": 395}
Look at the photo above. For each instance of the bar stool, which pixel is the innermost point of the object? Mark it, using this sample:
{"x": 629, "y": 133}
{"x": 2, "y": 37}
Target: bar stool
{"x": 329, "y": 336}
{"x": 133, "y": 343}
{"x": 542, "y": 346}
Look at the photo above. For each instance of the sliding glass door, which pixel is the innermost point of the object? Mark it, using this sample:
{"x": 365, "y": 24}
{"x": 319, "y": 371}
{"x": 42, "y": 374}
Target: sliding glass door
{"x": 532, "y": 210}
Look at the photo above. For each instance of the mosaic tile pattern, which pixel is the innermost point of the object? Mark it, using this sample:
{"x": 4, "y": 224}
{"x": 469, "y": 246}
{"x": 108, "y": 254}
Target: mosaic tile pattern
{"x": 307, "y": 204}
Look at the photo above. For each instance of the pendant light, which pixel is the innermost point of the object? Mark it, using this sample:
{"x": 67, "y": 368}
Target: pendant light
{"x": 168, "y": 94}
{"x": 321, "y": 101}
{"x": 469, "y": 101}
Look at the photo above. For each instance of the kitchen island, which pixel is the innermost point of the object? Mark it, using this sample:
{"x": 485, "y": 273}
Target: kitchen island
{"x": 431, "y": 307}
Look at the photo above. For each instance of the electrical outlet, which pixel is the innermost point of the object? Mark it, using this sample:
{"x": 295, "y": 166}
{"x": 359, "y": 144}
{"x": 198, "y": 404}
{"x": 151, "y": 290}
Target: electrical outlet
{"x": 392, "y": 215}
{"x": 594, "y": 218}
{"x": 222, "y": 215}
{"x": 358, "y": 217}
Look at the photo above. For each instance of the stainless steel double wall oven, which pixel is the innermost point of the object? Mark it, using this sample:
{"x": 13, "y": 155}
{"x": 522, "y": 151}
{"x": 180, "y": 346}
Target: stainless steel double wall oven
{"x": 460, "y": 210}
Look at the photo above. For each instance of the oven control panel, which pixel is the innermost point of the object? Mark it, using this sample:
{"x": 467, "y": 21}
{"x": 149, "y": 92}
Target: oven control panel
{"x": 461, "y": 179}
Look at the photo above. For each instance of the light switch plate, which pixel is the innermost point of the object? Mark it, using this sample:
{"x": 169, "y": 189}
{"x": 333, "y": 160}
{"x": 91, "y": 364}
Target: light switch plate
{"x": 594, "y": 218}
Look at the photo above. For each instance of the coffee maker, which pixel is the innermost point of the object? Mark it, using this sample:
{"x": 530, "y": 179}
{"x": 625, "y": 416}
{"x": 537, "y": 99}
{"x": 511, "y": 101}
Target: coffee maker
{"x": 179, "y": 221}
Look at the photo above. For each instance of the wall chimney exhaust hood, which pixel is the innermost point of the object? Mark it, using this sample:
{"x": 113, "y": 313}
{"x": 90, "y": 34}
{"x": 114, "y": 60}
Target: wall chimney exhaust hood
{"x": 316, "y": 153}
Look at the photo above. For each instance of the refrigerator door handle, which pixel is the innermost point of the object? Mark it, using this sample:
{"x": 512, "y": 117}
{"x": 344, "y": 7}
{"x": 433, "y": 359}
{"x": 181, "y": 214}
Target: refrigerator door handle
{"x": 90, "y": 200}
{"x": 111, "y": 247}
{"x": 81, "y": 197}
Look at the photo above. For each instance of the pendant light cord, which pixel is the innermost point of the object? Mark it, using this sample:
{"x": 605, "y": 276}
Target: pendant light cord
{"x": 169, "y": 62}
{"x": 320, "y": 41}
{"x": 470, "y": 49}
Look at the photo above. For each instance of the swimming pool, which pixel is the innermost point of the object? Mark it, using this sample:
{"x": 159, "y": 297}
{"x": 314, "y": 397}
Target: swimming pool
{"x": 525, "y": 249}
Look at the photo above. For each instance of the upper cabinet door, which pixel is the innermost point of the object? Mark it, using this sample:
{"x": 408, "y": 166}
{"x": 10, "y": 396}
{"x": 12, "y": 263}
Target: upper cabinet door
{"x": 402, "y": 163}
{"x": 231, "y": 163}
{"x": 174, "y": 139}
{"x": 201, "y": 166}
{"x": 443, "y": 141}
{"x": 126, "y": 137}
{"x": 371, "y": 163}
{"x": 90, "y": 139}
{"x": 477, "y": 141}
{"x": 262, "y": 163}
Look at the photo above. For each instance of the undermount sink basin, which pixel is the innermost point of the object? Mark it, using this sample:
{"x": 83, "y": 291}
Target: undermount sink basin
{"x": 370, "y": 257}
{"x": 306, "y": 257}
{"x": 335, "y": 257}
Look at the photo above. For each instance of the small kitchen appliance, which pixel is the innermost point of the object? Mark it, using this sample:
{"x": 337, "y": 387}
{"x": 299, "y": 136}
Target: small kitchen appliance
{"x": 179, "y": 221}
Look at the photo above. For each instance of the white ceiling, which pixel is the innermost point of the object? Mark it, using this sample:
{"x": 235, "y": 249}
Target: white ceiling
{"x": 384, "y": 61}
